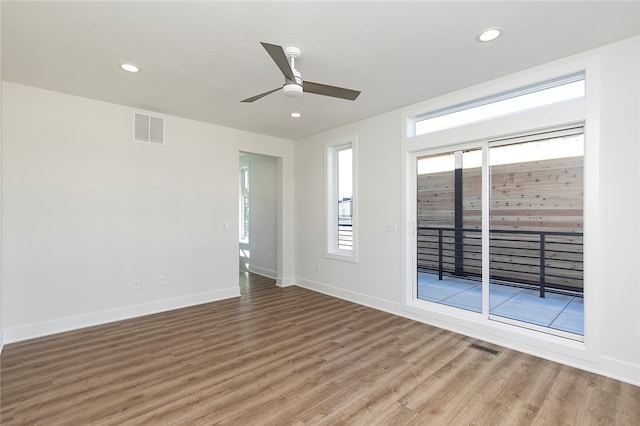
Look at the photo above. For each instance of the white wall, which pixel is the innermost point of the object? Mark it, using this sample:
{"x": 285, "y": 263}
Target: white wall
{"x": 263, "y": 205}
{"x": 376, "y": 276}
{"x": 1, "y": 310}
{"x": 619, "y": 173}
{"x": 86, "y": 211}
{"x": 378, "y": 280}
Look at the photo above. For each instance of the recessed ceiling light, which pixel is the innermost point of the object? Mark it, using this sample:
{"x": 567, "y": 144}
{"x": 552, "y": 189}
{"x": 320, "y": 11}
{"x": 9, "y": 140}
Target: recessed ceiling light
{"x": 130, "y": 68}
{"x": 490, "y": 34}
{"x": 295, "y": 115}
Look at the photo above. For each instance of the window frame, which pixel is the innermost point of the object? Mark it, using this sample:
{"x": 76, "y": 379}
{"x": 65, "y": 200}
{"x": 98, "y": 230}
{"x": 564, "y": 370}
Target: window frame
{"x": 242, "y": 193}
{"x": 332, "y": 148}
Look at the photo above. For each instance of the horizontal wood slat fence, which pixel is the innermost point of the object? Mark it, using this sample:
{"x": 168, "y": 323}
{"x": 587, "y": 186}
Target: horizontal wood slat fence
{"x": 529, "y": 202}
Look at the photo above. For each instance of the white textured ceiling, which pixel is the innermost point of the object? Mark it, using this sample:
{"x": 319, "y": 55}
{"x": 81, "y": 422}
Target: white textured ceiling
{"x": 199, "y": 59}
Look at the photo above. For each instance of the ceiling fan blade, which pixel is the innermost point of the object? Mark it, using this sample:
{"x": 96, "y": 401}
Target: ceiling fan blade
{"x": 277, "y": 54}
{"x": 261, "y": 95}
{"x": 336, "y": 92}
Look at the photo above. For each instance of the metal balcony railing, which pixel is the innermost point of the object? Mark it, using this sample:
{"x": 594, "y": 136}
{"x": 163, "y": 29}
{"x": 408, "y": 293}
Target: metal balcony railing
{"x": 345, "y": 236}
{"x": 539, "y": 259}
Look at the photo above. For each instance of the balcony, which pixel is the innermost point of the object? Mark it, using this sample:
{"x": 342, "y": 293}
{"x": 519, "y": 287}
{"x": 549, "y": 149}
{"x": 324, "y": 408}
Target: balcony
{"x": 535, "y": 276}
{"x": 562, "y": 312}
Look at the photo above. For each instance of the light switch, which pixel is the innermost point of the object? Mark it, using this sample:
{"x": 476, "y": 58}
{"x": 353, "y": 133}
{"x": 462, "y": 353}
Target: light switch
{"x": 391, "y": 227}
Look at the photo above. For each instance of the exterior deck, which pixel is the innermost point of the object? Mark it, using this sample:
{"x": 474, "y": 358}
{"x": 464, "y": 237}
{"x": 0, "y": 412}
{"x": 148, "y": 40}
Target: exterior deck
{"x": 557, "y": 311}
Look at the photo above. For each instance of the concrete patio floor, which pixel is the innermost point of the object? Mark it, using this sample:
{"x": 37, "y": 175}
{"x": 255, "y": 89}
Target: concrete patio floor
{"x": 556, "y": 311}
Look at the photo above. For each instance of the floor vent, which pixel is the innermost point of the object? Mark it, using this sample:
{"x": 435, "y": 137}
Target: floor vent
{"x": 484, "y": 348}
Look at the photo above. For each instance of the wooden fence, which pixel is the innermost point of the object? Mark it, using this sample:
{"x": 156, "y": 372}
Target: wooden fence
{"x": 541, "y": 196}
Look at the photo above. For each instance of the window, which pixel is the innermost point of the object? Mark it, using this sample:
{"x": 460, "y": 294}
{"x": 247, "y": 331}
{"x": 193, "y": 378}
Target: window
{"x": 341, "y": 231}
{"x": 244, "y": 203}
{"x": 525, "y": 98}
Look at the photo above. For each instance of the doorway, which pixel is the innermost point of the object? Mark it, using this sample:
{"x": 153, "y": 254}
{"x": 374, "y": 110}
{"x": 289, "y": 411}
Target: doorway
{"x": 258, "y": 214}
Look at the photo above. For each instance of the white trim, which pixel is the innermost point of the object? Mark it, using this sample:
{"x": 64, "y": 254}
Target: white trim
{"x": 285, "y": 281}
{"x": 538, "y": 328}
{"x": 521, "y": 79}
{"x": 331, "y": 251}
{"x": 485, "y": 241}
{"x": 351, "y": 296}
{"x": 284, "y": 234}
{"x": 263, "y": 271}
{"x": 244, "y": 165}
{"x": 516, "y": 101}
{"x": 45, "y": 328}
{"x": 592, "y": 243}
{"x": 408, "y": 179}
{"x": 565, "y": 113}
{"x": 620, "y": 370}
{"x": 509, "y": 94}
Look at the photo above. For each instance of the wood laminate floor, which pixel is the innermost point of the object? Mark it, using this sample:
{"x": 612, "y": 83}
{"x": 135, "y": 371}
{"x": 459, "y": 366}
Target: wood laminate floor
{"x": 291, "y": 356}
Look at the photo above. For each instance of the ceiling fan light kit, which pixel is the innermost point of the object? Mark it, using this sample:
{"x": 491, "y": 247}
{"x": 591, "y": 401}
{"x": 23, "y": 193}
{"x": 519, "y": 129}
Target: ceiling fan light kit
{"x": 292, "y": 90}
{"x": 294, "y": 86}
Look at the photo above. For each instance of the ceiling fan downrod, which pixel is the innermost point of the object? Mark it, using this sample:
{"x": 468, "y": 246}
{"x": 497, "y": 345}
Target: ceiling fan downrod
{"x": 293, "y": 89}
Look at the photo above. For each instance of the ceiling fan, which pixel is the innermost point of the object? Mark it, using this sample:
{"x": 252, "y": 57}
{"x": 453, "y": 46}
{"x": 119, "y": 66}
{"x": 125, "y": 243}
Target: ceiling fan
{"x": 285, "y": 59}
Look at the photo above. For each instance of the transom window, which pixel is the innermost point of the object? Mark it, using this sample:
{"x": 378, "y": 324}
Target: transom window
{"x": 525, "y": 98}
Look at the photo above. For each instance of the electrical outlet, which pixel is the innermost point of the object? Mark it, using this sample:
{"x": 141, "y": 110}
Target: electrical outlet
{"x": 163, "y": 280}
{"x": 136, "y": 284}
{"x": 317, "y": 266}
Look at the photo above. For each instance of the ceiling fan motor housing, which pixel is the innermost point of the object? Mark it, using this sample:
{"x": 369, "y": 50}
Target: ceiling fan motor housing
{"x": 293, "y": 89}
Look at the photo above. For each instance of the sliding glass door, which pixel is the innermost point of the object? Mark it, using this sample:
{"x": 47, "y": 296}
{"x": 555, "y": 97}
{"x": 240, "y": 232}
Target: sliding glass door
{"x": 532, "y": 208}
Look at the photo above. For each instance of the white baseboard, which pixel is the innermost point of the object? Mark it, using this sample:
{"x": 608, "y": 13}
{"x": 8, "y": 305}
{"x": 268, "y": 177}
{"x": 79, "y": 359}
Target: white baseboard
{"x": 351, "y": 296}
{"x": 263, "y": 271}
{"x": 620, "y": 370}
{"x": 45, "y": 328}
{"x": 285, "y": 281}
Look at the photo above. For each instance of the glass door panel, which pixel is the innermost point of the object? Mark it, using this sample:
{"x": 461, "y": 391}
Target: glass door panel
{"x": 536, "y": 231}
{"x": 449, "y": 234}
